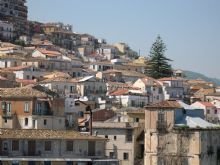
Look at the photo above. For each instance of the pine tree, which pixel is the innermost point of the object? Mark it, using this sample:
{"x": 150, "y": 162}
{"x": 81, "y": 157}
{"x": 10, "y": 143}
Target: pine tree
{"x": 158, "y": 65}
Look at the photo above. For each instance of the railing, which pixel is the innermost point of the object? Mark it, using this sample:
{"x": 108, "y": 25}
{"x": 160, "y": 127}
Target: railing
{"x": 161, "y": 125}
{"x": 7, "y": 115}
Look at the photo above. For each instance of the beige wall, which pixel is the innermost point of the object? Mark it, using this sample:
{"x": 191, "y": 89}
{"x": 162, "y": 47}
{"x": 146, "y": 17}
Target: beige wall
{"x": 189, "y": 146}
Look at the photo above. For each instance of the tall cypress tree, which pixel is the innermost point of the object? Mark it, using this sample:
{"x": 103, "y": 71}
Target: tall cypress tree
{"x": 158, "y": 64}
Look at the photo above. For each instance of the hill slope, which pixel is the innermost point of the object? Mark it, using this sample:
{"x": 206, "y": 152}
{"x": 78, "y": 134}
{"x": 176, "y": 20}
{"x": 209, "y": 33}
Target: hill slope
{"x": 195, "y": 75}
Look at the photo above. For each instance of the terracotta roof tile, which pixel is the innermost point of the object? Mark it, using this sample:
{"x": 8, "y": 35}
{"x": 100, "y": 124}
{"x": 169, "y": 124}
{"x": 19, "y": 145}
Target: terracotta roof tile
{"x": 207, "y": 104}
{"x": 45, "y": 134}
{"x": 28, "y": 91}
{"x": 167, "y": 104}
{"x": 49, "y": 52}
{"x": 17, "y": 68}
{"x": 119, "y": 92}
{"x": 168, "y": 79}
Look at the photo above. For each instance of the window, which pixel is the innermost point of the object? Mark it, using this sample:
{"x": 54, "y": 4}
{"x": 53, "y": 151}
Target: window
{"x": 216, "y": 111}
{"x": 39, "y": 108}
{"x": 26, "y": 107}
{"x": 106, "y": 136}
{"x": 80, "y": 114}
{"x": 158, "y": 97}
{"x": 45, "y": 121}
{"x": 8, "y": 107}
{"x": 129, "y": 135}
{"x": 5, "y": 146}
{"x": 111, "y": 155}
{"x": 132, "y": 103}
{"x": 137, "y": 120}
{"x": 69, "y": 145}
{"x": 115, "y": 137}
{"x": 208, "y": 111}
{"x": 28, "y": 77}
{"x": 100, "y": 67}
{"x": 47, "y": 145}
{"x": 77, "y": 104}
{"x": 142, "y": 104}
{"x": 125, "y": 156}
{"x": 26, "y": 121}
{"x": 161, "y": 116}
{"x": 15, "y": 145}
{"x": 60, "y": 121}
{"x": 160, "y": 90}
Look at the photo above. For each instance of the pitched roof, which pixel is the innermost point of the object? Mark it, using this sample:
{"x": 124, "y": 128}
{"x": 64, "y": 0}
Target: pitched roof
{"x": 146, "y": 80}
{"x": 57, "y": 74}
{"x": 27, "y": 91}
{"x": 7, "y": 48}
{"x": 167, "y": 104}
{"x": 126, "y": 73}
{"x": 119, "y": 92}
{"x": 59, "y": 79}
{"x": 50, "y": 52}
{"x": 3, "y": 78}
{"x": 207, "y": 104}
{"x": 17, "y": 68}
{"x": 168, "y": 79}
{"x": 213, "y": 94}
{"x": 45, "y": 134}
{"x": 26, "y": 82}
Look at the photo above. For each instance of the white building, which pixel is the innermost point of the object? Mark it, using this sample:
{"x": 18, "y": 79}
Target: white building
{"x": 129, "y": 98}
{"x": 124, "y": 140}
{"x": 6, "y": 31}
{"x": 10, "y": 61}
{"x": 173, "y": 88}
{"x": 27, "y": 72}
{"x": 91, "y": 87}
{"x": 211, "y": 112}
{"x": 151, "y": 87}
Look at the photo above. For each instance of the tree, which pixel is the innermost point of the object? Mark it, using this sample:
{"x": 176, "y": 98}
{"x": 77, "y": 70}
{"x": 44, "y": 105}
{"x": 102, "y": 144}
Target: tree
{"x": 158, "y": 65}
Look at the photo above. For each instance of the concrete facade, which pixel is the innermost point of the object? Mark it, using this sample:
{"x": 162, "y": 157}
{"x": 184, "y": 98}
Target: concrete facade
{"x": 169, "y": 143}
{"x": 123, "y": 143}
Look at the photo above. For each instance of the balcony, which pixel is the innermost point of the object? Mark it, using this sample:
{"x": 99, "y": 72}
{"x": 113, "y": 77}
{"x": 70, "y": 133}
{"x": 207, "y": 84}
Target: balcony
{"x": 7, "y": 115}
{"x": 162, "y": 126}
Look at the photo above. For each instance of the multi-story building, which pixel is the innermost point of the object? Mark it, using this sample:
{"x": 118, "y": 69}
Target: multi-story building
{"x": 60, "y": 34}
{"x": 15, "y": 11}
{"x": 27, "y": 72}
{"x": 129, "y": 98}
{"x": 31, "y": 108}
{"x": 6, "y": 31}
{"x": 210, "y": 111}
{"x": 52, "y": 147}
{"x": 176, "y": 133}
{"x": 124, "y": 139}
{"x": 173, "y": 88}
{"x": 49, "y": 28}
{"x": 91, "y": 87}
{"x": 151, "y": 87}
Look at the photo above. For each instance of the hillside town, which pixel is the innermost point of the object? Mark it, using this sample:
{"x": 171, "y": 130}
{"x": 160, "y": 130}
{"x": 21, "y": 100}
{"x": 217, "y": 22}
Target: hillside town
{"x": 73, "y": 99}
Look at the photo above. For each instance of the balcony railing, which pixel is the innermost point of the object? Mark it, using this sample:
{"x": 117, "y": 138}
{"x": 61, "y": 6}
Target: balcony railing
{"x": 161, "y": 125}
{"x": 7, "y": 115}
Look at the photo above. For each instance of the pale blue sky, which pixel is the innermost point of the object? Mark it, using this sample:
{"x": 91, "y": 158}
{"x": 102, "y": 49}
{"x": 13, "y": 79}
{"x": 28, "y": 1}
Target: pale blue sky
{"x": 190, "y": 28}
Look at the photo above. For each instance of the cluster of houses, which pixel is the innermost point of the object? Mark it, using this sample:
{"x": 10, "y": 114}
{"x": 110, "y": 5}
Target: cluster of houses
{"x": 73, "y": 99}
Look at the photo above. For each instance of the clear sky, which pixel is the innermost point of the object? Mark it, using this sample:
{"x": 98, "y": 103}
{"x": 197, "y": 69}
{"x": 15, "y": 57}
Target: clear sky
{"x": 190, "y": 28}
